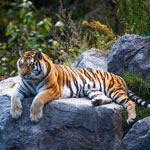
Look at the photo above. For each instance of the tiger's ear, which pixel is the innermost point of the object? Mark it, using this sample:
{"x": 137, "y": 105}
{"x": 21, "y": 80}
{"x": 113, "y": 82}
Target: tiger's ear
{"x": 38, "y": 55}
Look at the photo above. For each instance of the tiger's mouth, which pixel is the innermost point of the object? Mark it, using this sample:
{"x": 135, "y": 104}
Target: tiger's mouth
{"x": 30, "y": 77}
{"x": 25, "y": 76}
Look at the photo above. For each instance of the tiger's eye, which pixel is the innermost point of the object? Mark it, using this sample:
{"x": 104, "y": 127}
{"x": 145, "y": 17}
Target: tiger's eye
{"x": 30, "y": 65}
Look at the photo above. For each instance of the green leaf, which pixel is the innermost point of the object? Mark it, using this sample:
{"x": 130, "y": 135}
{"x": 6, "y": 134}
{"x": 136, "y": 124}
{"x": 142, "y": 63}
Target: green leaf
{"x": 47, "y": 27}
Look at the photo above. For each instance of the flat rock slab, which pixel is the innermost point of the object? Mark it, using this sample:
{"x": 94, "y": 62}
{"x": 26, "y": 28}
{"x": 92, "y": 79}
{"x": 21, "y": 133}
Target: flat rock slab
{"x": 67, "y": 124}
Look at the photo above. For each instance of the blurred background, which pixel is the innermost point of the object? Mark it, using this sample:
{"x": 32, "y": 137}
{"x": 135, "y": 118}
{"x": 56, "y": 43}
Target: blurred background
{"x": 64, "y": 29}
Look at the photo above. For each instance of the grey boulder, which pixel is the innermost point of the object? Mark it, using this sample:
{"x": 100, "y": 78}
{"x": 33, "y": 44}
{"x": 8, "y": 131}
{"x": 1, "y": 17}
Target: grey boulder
{"x": 6, "y": 86}
{"x": 130, "y": 53}
{"x": 138, "y": 137}
{"x": 67, "y": 124}
{"x": 92, "y": 59}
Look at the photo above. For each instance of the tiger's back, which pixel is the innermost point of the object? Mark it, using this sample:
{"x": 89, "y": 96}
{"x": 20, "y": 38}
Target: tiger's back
{"x": 79, "y": 81}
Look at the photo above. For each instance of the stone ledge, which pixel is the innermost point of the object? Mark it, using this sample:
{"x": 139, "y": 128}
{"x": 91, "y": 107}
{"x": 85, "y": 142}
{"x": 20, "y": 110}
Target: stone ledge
{"x": 67, "y": 124}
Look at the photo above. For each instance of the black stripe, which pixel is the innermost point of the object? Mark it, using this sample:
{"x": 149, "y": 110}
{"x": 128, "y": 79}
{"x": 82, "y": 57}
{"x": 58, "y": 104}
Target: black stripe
{"x": 74, "y": 70}
{"x": 75, "y": 83}
{"x": 118, "y": 96}
{"x": 89, "y": 92}
{"x": 23, "y": 87}
{"x": 99, "y": 80}
{"x": 84, "y": 82}
{"x": 68, "y": 83}
{"x": 87, "y": 74}
{"x": 88, "y": 86}
{"x": 20, "y": 91}
{"x": 63, "y": 80}
{"x": 103, "y": 79}
{"x": 114, "y": 90}
{"x": 71, "y": 94}
{"x": 111, "y": 84}
{"x": 44, "y": 83}
{"x": 91, "y": 71}
{"x": 26, "y": 86}
{"x": 106, "y": 74}
{"x": 80, "y": 90}
{"x": 48, "y": 68}
{"x": 94, "y": 85}
{"x": 30, "y": 84}
{"x": 124, "y": 101}
{"x": 118, "y": 81}
{"x": 123, "y": 82}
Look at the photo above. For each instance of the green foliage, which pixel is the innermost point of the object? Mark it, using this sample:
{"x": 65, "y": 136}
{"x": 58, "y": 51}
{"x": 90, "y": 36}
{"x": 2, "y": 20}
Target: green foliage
{"x": 137, "y": 84}
{"x": 99, "y": 35}
{"x": 103, "y": 42}
{"x": 135, "y": 16}
{"x": 142, "y": 89}
{"x": 23, "y": 33}
{"x": 67, "y": 36}
{"x": 60, "y": 40}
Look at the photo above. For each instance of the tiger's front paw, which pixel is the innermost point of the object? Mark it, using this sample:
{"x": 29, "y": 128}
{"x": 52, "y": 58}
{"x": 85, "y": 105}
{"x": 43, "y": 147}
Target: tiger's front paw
{"x": 35, "y": 113}
{"x": 16, "y": 110}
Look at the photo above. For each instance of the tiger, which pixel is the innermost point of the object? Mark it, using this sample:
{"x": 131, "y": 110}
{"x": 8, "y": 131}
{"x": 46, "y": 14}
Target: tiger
{"x": 48, "y": 81}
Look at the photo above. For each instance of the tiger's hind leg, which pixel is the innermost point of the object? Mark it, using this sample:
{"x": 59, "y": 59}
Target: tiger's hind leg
{"x": 122, "y": 98}
{"x": 98, "y": 98}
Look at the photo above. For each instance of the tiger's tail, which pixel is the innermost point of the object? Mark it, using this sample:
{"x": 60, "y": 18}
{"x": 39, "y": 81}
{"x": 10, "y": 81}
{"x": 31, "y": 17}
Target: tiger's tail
{"x": 137, "y": 100}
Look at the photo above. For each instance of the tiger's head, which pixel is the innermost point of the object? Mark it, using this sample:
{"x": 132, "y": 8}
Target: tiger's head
{"x": 31, "y": 65}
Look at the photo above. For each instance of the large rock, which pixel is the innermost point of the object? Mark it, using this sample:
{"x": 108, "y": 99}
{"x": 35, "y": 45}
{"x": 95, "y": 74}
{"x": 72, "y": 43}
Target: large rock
{"x": 4, "y": 110}
{"x": 67, "y": 124}
{"x": 130, "y": 53}
{"x": 92, "y": 59}
{"x": 6, "y": 86}
{"x": 138, "y": 137}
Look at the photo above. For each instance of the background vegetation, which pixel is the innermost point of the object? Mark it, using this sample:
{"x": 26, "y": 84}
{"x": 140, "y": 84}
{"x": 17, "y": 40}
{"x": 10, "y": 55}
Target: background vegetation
{"x": 64, "y": 29}
{"x": 142, "y": 89}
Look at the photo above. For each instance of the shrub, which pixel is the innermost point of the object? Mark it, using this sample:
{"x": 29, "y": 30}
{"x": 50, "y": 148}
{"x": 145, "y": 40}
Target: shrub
{"x": 23, "y": 33}
{"x": 137, "y": 84}
{"x": 67, "y": 36}
{"x": 135, "y": 16}
{"x": 99, "y": 35}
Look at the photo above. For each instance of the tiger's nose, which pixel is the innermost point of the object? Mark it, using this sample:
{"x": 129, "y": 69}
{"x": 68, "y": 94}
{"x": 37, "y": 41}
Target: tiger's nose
{"x": 23, "y": 74}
